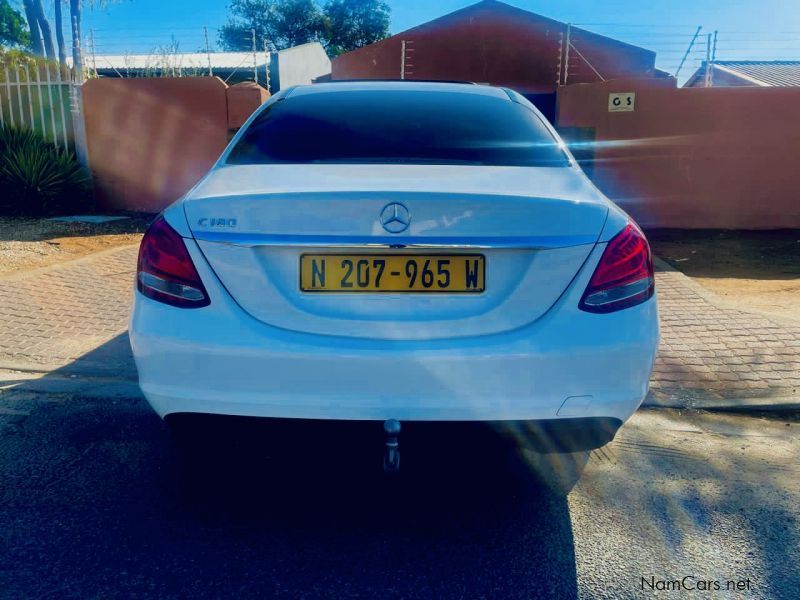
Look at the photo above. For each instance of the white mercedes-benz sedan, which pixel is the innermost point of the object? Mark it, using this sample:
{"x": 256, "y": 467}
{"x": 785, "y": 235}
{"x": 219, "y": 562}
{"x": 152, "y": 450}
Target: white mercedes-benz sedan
{"x": 398, "y": 251}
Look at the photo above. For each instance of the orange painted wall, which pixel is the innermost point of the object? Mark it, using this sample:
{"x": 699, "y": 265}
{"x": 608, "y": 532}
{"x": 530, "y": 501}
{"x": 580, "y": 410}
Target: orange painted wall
{"x": 694, "y": 157}
{"x": 151, "y": 139}
{"x": 243, "y": 99}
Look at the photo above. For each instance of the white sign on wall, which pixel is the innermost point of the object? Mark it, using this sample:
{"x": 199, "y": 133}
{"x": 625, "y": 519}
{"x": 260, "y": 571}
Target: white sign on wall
{"x": 623, "y": 102}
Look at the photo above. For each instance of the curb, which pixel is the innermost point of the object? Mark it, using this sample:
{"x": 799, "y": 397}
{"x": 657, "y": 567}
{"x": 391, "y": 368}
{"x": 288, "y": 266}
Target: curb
{"x": 79, "y": 368}
{"x": 767, "y": 403}
{"x": 24, "y": 274}
{"x": 89, "y": 387}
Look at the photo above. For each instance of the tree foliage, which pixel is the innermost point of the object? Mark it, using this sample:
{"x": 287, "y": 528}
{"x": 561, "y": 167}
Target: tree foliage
{"x": 342, "y": 25}
{"x": 15, "y": 58}
{"x": 280, "y": 23}
{"x": 13, "y": 32}
{"x": 351, "y": 24}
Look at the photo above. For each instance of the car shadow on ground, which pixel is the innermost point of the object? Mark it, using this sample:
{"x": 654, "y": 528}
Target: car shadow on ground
{"x": 99, "y": 501}
{"x": 713, "y": 253}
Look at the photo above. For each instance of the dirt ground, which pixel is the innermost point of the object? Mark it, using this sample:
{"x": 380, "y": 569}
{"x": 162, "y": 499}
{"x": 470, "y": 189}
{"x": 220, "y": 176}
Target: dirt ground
{"x": 753, "y": 270}
{"x": 28, "y": 243}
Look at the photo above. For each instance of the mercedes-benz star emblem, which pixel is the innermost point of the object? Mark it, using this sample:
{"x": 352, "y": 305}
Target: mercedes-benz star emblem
{"x": 395, "y": 217}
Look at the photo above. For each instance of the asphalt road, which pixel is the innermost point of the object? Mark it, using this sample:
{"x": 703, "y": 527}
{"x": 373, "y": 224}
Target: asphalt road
{"x": 96, "y": 502}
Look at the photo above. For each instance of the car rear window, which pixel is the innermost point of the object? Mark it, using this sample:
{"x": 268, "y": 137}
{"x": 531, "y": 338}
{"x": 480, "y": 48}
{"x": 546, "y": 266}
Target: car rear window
{"x": 396, "y": 126}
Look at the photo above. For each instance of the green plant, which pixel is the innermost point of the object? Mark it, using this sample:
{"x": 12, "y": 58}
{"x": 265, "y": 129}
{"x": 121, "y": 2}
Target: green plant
{"x": 36, "y": 178}
{"x": 15, "y": 59}
{"x": 12, "y": 26}
{"x": 340, "y": 25}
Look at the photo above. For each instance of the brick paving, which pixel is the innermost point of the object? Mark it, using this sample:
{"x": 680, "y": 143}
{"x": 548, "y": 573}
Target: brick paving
{"x": 79, "y": 310}
{"x": 710, "y": 349}
{"x": 55, "y": 315}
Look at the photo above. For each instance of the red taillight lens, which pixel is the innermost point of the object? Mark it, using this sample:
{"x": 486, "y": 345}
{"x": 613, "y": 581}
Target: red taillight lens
{"x": 624, "y": 275}
{"x": 166, "y": 272}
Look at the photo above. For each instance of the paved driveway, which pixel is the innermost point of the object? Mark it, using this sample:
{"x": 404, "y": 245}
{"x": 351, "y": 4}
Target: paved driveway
{"x": 96, "y": 504}
{"x": 74, "y": 316}
{"x": 55, "y": 316}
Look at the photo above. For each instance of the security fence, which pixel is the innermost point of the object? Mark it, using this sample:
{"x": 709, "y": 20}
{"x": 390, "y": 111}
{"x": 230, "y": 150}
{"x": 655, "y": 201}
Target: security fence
{"x": 42, "y": 97}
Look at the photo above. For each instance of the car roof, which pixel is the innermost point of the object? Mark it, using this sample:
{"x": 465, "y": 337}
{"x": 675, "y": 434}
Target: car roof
{"x": 398, "y": 85}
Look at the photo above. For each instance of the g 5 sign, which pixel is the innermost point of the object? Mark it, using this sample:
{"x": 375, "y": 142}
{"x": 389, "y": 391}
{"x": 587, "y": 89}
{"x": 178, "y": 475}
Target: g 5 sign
{"x": 621, "y": 102}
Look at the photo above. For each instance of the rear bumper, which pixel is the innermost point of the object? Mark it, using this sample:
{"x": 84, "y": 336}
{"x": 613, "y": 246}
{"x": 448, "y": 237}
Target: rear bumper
{"x": 567, "y": 364}
{"x": 550, "y": 435}
{"x": 562, "y": 435}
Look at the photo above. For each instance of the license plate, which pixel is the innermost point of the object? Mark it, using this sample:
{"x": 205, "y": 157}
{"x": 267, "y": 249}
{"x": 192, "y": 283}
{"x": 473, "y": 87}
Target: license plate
{"x": 375, "y": 273}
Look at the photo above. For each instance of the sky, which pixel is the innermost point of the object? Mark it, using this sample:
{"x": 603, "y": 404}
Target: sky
{"x": 748, "y": 29}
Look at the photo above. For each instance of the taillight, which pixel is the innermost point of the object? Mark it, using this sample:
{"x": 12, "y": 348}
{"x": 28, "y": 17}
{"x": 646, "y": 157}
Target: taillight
{"x": 165, "y": 271}
{"x": 624, "y": 275}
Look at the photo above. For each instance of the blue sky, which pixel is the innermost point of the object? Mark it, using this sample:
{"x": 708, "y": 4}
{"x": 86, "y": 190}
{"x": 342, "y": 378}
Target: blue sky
{"x": 747, "y": 28}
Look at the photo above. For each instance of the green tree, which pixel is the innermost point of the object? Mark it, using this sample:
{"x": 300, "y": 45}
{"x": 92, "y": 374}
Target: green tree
{"x": 280, "y": 23}
{"x": 351, "y": 24}
{"x": 13, "y": 32}
{"x": 342, "y": 26}
{"x": 297, "y": 22}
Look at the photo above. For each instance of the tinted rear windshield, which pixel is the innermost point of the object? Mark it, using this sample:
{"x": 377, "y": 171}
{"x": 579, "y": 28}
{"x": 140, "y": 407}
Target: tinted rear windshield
{"x": 396, "y": 126}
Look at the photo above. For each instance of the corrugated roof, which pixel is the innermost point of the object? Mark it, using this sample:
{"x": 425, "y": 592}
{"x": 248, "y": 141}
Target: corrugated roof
{"x": 187, "y": 60}
{"x": 179, "y": 60}
{"x": 765, "y": 72}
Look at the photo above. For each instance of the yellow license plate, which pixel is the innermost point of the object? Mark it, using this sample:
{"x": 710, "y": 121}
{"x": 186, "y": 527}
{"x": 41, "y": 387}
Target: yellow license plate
{"x": 450, "y": 273}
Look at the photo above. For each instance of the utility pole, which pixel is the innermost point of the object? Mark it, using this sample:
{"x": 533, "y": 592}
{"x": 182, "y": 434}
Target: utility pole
{"x": 208, "y": 53}
{"x": 255, "y": 57}
{"x": 688, "y": 50}
{"x": 707, "y": 78}
{"x": 403, "y": 59}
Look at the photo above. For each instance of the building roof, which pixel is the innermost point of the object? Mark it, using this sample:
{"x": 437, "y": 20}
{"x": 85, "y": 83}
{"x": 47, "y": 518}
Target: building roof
{"x": 481, "y": 8}
{"x": 178, "y": 60}
{"x": 224, "y": 61}
{"x": 283, "y": 68}
{"x": 763, "y": 73}
{"x": 494, "y": 42}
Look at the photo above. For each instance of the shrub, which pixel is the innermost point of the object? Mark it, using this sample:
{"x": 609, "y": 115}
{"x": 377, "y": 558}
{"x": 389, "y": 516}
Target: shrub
{"x": 37, "y": 178}
{"x": 17, "y": 59}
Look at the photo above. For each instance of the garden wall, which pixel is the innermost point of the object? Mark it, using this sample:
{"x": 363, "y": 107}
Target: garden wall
{"x": 691, "y": 157}
{"x": 151, "y": 139}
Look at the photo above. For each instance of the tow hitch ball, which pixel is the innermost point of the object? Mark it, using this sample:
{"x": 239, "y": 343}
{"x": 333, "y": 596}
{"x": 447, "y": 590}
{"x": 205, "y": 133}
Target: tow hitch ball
{"x": 391, "y": 456}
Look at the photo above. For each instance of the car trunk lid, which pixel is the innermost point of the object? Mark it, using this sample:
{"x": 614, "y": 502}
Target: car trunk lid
{"x": 535, "y": 229}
